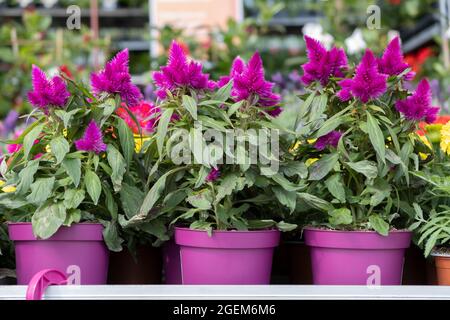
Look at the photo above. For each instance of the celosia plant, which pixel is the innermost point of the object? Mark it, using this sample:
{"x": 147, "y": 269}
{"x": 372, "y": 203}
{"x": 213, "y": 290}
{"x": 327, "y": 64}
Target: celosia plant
{"x": 366, "y": 148}
{"x": 74, "y": 163}
{"x": 197, "y": 178}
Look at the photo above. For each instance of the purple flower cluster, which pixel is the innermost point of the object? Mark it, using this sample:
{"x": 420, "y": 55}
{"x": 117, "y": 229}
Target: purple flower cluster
{"x": 115, "y": 78}
{"x": 331, "y": 139}
{"x": 392, "y": 63}
{"x": 179, "y": 73}
{"x": 418, "y": 106}
{"x": 47, "y": 92}
{"x": 322, "y": 63}
{"x": 249, "y": 84}
{"x": 368, "y": 83}
{"x": 92, "y": 140}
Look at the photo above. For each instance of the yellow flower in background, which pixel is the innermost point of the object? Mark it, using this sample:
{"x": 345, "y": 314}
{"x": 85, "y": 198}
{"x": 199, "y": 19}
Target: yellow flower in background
{"x": 299, "y": 143}
{"x": 65, "y": 133}
{"x": 9, "y": 189}
{"x": 48, "y": 149}
{"x": 310, "y": 161}
{"x": 445, "y": 138}
{"x": 423, "y": 156}
{"x": 139, "y": 142}
{"x": 2, "y": 183}
{"x": 425, "y": 141}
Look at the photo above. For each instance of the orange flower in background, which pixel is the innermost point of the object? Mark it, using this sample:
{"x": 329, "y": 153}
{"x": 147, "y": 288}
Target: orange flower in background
{"x": 439, "y": 121}
{"x": 416, "y": 60}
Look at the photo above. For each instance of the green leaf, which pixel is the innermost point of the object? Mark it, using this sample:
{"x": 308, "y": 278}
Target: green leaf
{"x": 365, "y": 167}
{"x": 223, "y": 93}
{"x": 73, "y": 198}
{"x": 66, "y": 116}
{"x": 126, "y": 140}
{"x": 431, "y": 242}
{"x": 117, "y": 164}
{"x": 286, "y": 198}
{"x": 41, "y": 190}
{"x": 226, "y": 187}
{"x": 30, "y": 138}
{"x": 47, "y": 219}
{"x": 341, "y": 216}
{"x": 155, "y": 193}
{"x": 73, "y": 169}
{"x": 111, "y": 236}
{"x": 26, "y": 176}
{"x": 72, "y": 216}
{"x": 376, "y": 137}
{"x": 379, "y": 225}
{"x": 111, "y": 204}
{"x": 315, "y": 202}
{"x": 93, "y": 185}
{"x": 161, "y": 132}
{"x": 336, "y": 187}
{"x": 156, "y": 228}
{"x": 59, "y": 147}
{"x": 190, "y": 105}
{"x": 131, "y": 198}
{"x": 293, "y": 168}
{"x": 286, "y": 227}
{"x": 322, "y": 167}
{"x": 201, "y": 200}
{"x": 234, "y": 107}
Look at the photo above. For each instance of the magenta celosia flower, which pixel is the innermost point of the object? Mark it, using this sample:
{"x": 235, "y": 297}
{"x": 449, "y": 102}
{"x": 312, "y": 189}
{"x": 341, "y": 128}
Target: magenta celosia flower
{"x": 367, "y": 83}
{"x": 115, "y": 78}
{"x": 418, "y": 106}
{"x": 329, "y": 140}
{"x": 392, "y": 63}
{"x": 92, "y": 139}
{"x": 249, "y": 83}
{"x": 179, "y": 72}
{"x": 236, "y": 68}
{"x": 47, "y": 92}
{"x": 322, "y": 63}
{"x": 213, "y": 175}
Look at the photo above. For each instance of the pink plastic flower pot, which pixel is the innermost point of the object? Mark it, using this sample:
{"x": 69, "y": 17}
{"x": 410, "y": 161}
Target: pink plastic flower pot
{"x": 226, "y": 257}
{"x": 77, "y": 251}
{"x": 357, "y": 257}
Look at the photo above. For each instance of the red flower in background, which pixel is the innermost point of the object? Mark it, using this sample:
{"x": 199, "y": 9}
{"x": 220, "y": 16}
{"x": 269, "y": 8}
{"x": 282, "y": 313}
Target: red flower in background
{"x": 64, "y": 69}
{"x": 146, "y": 114}
{"x": 440, "y": 120}
{"x": 416, "y": 60}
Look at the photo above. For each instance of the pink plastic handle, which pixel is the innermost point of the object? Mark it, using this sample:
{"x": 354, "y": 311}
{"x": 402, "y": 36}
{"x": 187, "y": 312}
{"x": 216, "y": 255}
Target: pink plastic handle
{"x": 42, "y": 280}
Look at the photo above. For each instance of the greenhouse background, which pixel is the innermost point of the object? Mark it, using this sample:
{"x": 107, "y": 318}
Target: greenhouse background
{"x": 77, "y": 38}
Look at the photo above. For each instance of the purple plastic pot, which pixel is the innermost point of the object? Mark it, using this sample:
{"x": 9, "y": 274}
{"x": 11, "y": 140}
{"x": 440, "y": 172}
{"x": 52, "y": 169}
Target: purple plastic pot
{"x": 357, "y": 257}
{"x": 78, "y": 251}
{"x": 226, "y": 257}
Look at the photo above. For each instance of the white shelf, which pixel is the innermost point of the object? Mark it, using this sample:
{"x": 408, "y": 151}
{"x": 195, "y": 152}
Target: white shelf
{"x": 272, "y": 292}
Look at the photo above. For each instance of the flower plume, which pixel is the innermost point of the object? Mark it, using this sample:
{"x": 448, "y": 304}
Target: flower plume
{"x": 92, "y": 140}
{"x": 392, "y": 63}
{"x": 115, "y": 78}
{"x": 47, "y": 92}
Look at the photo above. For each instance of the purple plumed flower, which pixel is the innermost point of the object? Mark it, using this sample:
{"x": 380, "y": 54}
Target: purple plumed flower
{"x": 331, "y": 139}
{"x": 368, "y": 83}
{"x": 418, "y": 106}
{"x": 9, "y": 124}
{"x": 47, "y": 92}
{"x": 92, "y": 140}
{"x": 392, "y": 63}
{"x": 213, "y": 175}
{"x": 249, "y": 82}
{"x": 237, "y": 68}
{"x": 115, "y": 78}
{"x": 180, "y": 73}
{"x": 322, "y": 63}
